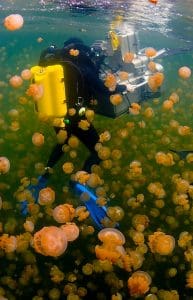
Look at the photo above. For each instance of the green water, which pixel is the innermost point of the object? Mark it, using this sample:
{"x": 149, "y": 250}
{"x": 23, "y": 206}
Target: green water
{"x": 171, "y": 28}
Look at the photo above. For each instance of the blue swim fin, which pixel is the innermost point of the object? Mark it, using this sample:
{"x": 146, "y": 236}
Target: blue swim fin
{"x": 182, "y": 153}
{"x": 97, "y": 213}
{"x": 34, "y": 189}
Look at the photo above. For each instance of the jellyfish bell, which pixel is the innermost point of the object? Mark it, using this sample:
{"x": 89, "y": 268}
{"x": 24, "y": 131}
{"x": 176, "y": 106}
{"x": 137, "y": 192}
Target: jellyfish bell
{"x": 161, "y": 243}
{"x": 35, "y": 91}
{"x": 128, "y": 57}
{"x": 38, "y": 139}
{"x": 26, "y": 74}
{"x": 4, "y": 165}
{"x": 13, "y": 113}
{"x": 50, "y": 241}
{"x": 111, "y": 235}
{"x": 15, "y": 81}
{"x": 71, "y": 230}
{"x": 150, "y": 52}
{"x": 13, "y": 22}
{"x": 68, "y": 167}
{"x": 116, "y": 99}
{"x": 63, "y": 213}
{"x": 138, "y": 283}
{"x": 184, "y": 72}
{"x": 28, "y": 226}
{"x": 46, "y": 196}
{"x": 115, "y": 213}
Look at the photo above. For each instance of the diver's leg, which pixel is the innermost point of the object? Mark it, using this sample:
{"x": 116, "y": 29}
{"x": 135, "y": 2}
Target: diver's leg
{"x": 89, "y": 138}
{"x": 56, "y": 153}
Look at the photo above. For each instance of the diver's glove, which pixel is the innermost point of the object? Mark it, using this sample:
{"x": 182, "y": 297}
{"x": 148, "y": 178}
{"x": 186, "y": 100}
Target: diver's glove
{"x": 97, "y": 213}
{"x": 34, "y": 189}
{"x": 182, "y": 153}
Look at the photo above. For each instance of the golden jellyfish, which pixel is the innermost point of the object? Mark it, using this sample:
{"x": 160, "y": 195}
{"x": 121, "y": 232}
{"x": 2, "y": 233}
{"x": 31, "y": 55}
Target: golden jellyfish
{"x": 112, "y": 236}
{"x": 26, "y": 74}
{"x": 50, "y": 241}
{"x": 90, "y": 115}
{"x": 4, "y": 165}
{"x": 116, "y": 154}
{"x": 189, "y": 279}
{"x": 149, "y": 113}
{"x": 168, "y": 105}
{"x": 139, "y": 283}
{"x": 123, "y": 75}
{"x": 71, "y": 230}
{"x": 81, "y": 176}
{"x": 63, "y": 213}
{"x": 104, "y": 153}
{"x": 94, "y": 180}
{"x": 40, "y": 39}
{"x": 46, "y": 196}
{"x": 185, "y": 239}
{"x": 165, "y": 159}
{"x": 56, "y": 274}
{"x": 150, "y": 52}
{"x": 116, "y": 99}
{"x": 13, "y": 22}
{"x": 174, "y": 97}
{"x": 110, "y": 81}
{"x": 184, "y": 72}
{"x": 184, "y": 130}
{"x": 13, "y": 113}
{"x": 155, "y": 81}
{"x": 73, "y": 141}
{"x": 28, "y": 226}
{"x": 62, "y": 136}
{"x": 15, "y": 126}
{"x": 115, "y": 213}
{"x": 38, "y": 139}
{"x": 35, "y": 91}
{"x": 128, "y": 57}
{"x": 8, "y": 243}
{"x": 74, "y": 52}
{"x": 109, "y": 252}
{"x": 72, "y": 112}
{"x": 135, "y": 108}
{"x": 140, "y": 222}
{"x": 105, "y": 136}
{"x": 189, "y": 158}
{"x": 84, "y": 124}
{"x": 152, "y": 66}
{"x": 15, "y": 81}
{"x": 161, "y": 243}
{"x": 68, "y": 167}
{"x": 174, "y": 124}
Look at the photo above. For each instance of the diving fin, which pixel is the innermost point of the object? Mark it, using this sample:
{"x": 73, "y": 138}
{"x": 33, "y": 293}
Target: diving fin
{"x": 34, "y": 189}
{"x": 97, "y": 213}
{"x": 182, "y": 153}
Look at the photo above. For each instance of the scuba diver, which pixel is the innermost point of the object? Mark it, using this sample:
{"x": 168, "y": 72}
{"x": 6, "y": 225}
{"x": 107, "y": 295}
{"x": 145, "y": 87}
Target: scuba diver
{"x": 82, "y": 84}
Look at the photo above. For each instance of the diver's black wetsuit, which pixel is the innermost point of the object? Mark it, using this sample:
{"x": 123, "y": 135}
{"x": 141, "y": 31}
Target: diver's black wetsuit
{"x": 82, "y": 76}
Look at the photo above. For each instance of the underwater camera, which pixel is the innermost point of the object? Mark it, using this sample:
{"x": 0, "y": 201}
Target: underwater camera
{"x": 57, "y": 76}
{"x": 112, "y": 51}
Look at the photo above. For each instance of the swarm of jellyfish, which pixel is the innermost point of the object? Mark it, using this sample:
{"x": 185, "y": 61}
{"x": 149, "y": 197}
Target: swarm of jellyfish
{"x": 55, "y": 251}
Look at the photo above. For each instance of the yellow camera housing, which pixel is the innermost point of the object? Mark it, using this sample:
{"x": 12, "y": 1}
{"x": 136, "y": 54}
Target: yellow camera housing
{"x": 53, "y": 102}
